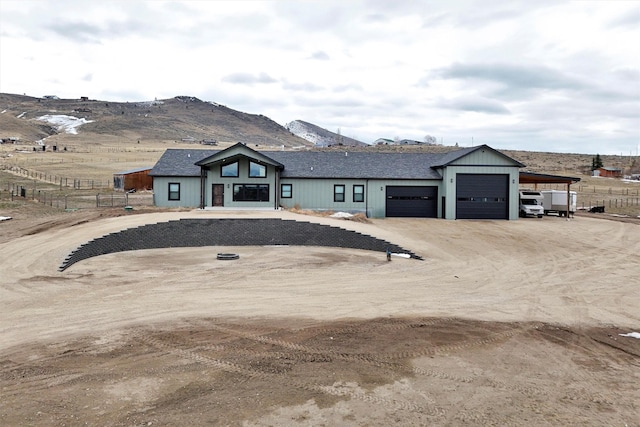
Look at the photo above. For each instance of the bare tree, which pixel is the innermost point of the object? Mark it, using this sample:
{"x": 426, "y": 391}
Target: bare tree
{"x": 431, "y": 140}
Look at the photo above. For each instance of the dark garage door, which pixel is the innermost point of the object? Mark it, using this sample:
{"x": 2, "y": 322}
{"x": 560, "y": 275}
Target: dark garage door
{"x": 420, "y": 202}
{"x": 482, "y": 196}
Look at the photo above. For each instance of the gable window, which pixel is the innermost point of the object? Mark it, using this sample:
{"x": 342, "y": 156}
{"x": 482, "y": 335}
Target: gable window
{"x": 250, "y": 192}
{"x": 230, "y": 170}
{"x": 256, "y": 170}
{"x": 358, "y": 193}
{"x": 286, "y": 191}
{"x": 338, "y": 193}
{"x": 174, "y": 191}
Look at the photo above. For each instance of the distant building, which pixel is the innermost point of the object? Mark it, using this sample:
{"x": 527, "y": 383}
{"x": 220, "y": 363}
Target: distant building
{"x": 134, "y": 179}
{"x": 383, "y": 141}
{"x": 84, "y": 98}
{"x": 409, "y": 142}
{"x": 51, "y": 97}
{"x": 608, "y": 172}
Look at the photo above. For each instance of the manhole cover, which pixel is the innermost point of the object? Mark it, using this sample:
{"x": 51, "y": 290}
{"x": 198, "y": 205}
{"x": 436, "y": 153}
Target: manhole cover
{"x": 228, "y": 256}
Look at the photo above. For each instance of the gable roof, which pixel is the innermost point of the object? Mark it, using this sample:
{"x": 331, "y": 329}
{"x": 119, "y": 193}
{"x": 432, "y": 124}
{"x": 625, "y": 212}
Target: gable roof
{"x": 320, "y": 164}
{"x": 237, "y": 151}
{"x": 452, "y": 156}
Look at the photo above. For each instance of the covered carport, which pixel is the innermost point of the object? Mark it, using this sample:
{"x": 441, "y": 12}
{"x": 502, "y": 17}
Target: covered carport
{"x": 527, "y": 178}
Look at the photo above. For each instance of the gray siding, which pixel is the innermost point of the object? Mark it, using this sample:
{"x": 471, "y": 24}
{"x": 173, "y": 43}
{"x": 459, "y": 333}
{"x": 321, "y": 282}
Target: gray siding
{"x": 449, "y": 178}
{"x": 213, "y": 177}
{"x": 317, "y": 194}
{"x": 189, "y": 192}
{"x": 483, "y": 157}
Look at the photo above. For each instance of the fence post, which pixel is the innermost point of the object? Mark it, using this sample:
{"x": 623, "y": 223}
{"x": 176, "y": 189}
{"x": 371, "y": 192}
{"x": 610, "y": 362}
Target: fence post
{"x": 97, "y": 200}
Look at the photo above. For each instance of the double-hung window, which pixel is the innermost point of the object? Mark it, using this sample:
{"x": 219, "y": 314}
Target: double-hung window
{"x": 358, "y": 193}
{"x": 286, "y": 191}
{"x": 174, "y": 191}
{"x": 338, "y": 193}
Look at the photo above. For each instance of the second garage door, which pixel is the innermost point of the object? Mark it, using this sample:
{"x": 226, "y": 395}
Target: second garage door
{"x": 418, "y": 202}
{"x": 480, "y": 196}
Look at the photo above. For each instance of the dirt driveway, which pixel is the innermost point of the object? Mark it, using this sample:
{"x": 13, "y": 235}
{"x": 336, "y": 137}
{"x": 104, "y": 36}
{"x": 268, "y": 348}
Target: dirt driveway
{"x": 503, "y": 323}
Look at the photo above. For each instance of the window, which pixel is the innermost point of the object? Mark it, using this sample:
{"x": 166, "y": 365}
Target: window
{"x": 257, "y": 170}
{"x": 338, "y": 193}
{"x": 286, "y": 191}
{"x": 230, "y": 170}
{"x": 250, "y": 192}
{"x": 174, "y": 191}
{"x": 358, "y": 193}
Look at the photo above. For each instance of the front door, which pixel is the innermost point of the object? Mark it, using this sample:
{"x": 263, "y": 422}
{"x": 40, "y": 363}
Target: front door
{"x": 218, "y": 195}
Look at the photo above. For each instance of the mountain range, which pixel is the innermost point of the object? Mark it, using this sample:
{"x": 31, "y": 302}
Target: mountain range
{"x": 182, "y": 118}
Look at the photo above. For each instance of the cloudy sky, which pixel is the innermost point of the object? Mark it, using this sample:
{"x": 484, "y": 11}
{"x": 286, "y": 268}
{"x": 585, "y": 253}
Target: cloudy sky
{"x": 530, "y": 75}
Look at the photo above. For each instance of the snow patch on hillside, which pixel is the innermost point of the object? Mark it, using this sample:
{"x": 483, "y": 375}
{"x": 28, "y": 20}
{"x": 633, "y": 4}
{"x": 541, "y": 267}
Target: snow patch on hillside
{"x": 149, "y": 103}
{"x": 68, "y": 124}
{"x": 319, "y": 136}
{"x": 300, "y": 129}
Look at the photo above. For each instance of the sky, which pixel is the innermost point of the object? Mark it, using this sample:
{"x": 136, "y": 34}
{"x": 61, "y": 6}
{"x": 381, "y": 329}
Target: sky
{"x": 557, "y": 76}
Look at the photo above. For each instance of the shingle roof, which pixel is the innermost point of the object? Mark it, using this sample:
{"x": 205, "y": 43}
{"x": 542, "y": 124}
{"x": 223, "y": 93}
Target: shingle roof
{"x": 313, "y": 164}
{"x": 180, "y": 162}
{"x": 322, "y": 164}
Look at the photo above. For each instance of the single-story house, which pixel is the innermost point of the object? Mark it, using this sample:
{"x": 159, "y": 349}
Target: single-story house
{"x": 608, "y": 172}
{"x": 134, "y": 179}
{"x": 471, "y": 183}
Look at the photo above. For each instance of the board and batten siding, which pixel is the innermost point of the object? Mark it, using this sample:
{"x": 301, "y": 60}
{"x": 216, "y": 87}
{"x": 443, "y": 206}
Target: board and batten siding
{"x": 483, "y": 157}
{"x": 449, "y": 177}
{"x": 213, "y": 177}
{"x": 317, "y": 194}
{"x": 189, "y": 191}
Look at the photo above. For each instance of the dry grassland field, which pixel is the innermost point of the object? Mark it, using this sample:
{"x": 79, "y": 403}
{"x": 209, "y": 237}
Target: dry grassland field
{"x": 530, "y": 322}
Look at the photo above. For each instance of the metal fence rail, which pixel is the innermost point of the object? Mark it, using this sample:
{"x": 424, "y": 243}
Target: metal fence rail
{"x": 75, "y": 183}
{"x": 76, "y": 201}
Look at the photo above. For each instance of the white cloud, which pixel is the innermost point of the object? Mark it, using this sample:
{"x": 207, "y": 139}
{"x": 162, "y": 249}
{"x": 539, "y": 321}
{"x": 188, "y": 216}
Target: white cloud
{"x": 522, "y": 75}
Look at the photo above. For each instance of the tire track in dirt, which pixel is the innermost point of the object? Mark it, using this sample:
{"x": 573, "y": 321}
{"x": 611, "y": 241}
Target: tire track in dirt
{"x": 387, "y": 361}
{"x": 235, "y": 368}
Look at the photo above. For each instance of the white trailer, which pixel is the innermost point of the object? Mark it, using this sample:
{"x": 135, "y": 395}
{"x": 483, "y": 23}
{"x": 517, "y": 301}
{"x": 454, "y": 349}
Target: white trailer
{"x": 555, "y": 201}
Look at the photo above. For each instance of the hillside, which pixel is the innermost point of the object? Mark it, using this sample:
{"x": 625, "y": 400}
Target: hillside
{"x": 182, "y": 118}
{"x": 320, "y": 137}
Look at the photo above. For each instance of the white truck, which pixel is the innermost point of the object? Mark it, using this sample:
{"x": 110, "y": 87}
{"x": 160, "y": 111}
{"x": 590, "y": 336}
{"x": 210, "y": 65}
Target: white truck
{"x": 531, "y": 203}
{"x": 555, "y": 201}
